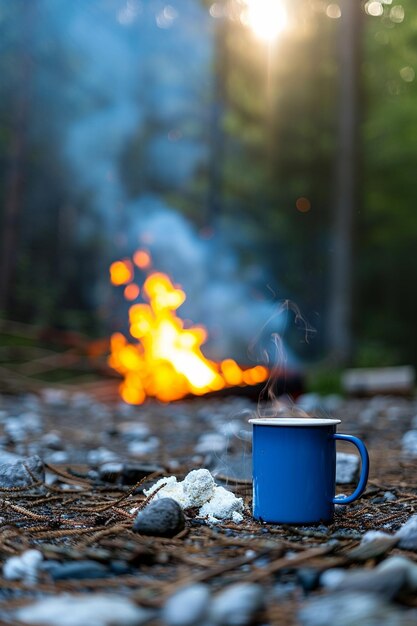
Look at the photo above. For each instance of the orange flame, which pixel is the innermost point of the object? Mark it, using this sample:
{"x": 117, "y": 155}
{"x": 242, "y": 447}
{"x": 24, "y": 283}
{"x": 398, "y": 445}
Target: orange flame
{"x": 166, "y": 362}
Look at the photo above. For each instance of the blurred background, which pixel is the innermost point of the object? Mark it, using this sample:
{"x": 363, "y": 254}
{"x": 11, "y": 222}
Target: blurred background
{"x": 261, "y": 150}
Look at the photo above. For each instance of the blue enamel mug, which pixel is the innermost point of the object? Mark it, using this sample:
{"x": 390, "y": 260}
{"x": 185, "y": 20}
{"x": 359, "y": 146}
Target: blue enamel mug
{"x": 294, "y": 469}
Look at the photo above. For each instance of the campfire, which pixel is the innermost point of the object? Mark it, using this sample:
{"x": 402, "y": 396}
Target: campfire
{"x": 165, "y": 360}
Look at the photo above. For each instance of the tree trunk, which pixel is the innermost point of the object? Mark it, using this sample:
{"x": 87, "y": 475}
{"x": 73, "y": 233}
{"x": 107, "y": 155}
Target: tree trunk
{"x": 340, "y": 340}
{"x": 14, "y": 178}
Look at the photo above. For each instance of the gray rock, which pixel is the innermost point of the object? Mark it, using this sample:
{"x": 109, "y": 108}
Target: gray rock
{"x": 353, "y": 609}
{"x": 132, "y": 473}
{"x": 78, "y": 570}
{"x": 395, "y": 563}
{"x": 310, "y": 402}
{"x": 82, "y": 610}
{"x": 187, "y": 607}
{"x": 18, "y": 474}
{"x": 387, "y": 583}
{"x": 389, "y": 496}
{"x": 371, "y": 535}
{"x": 374, "y": 544}
{"x": 236, "y": 605}
{"x": 409, "y": 443}
{"x": 408, "y": 534}
{"x": 347, "y": 468}
{"x": 161, "y": 518}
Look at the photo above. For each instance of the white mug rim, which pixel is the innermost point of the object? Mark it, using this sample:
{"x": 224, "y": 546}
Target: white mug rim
{"x": 293, "y": 421}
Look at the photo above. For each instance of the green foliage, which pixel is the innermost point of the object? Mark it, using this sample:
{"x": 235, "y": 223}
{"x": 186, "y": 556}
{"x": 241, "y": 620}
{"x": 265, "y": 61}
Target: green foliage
{"x": 324, "y": 381}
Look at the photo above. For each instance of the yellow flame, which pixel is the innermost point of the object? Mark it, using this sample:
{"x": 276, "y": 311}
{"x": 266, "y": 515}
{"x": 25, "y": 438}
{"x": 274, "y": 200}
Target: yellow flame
{"x": 166, "y": 362}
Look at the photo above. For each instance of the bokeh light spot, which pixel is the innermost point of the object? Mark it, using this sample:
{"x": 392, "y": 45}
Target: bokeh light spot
{"x": 303, "y": 204}
{"x": 407, "y": 74}
{"x": 142, "y": 259}
{"x": 397, "y": 14}
{"x": 131, "y": 292}
{"x": 374, "y": 8}
{"x": 121, "y": 272}
{"x": 333, "y": 11}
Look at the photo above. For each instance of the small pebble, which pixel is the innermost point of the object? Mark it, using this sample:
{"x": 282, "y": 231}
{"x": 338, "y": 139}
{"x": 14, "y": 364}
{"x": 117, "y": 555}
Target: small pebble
{"x": 187, "y": 607}
{"x": 78, "y": 570}
{"x": 371, "y": 535}
{"x": 142, "y": 448}
{"x": 408, "y": 534}
{"x": 23, "y": 567}
{"x": 133, "y": 473}
{"x": 331, "y": 578}
{"x": 347, "y": 468}
{"x": 237, "y": 605}
{"x": 160, "y": 518}
{"x": 409, "y": 443}
{"x": 308, "y": 578}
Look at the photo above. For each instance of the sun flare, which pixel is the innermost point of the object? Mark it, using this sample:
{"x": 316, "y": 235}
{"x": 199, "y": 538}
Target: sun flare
{"x": 266, "y": 18}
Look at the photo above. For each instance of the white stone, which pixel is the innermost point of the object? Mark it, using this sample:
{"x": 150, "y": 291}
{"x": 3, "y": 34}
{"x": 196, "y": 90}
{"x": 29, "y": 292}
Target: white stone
{"x": 171, "y": 489}
{"x": 222, "y": 505}
{"x": 187, "y": 607}
{"x": 347, "y": 467}
{"x": 409, "y": 442}
{"x": 23, "y": 567}
{"x": 236, "y": 605}
{"x": 142, "y": 448}
{"x": 331, "y": 578}
{"x": 198, "y": 489}
{"x": 55, "y": 397}
{"x": 408, "y": 534}
{"x": 213, "y": 443}
{"x": 84, "y": 610}
{"x": 101, "y": 455}
{"x": 57, "y": 457}
{"x": 371, "y": 535}
{"x": 131, "y": 431}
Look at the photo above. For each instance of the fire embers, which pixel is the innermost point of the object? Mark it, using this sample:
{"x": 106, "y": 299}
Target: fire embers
{"x": 165, "y": 361}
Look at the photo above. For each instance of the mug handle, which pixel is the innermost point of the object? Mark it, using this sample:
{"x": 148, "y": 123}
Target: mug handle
{"x": 364, "y": 469}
